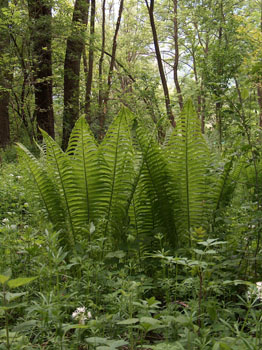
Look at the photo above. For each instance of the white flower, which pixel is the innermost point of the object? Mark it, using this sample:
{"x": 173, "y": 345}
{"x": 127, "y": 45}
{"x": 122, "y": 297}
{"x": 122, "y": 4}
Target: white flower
{"x": 80, "y": 315}
{"x": 255, "y": 291}
{"x": 19, "y": 177}
{"x": 5, "y": 220}
{"x": 11, "y": 175}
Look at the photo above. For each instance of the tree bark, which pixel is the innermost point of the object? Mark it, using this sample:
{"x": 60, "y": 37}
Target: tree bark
{"x": 90, "y": 62}
{"x": 41, "y": 36}
{"x": 178, "y": 88}
{"x": 5, "y": 81}
{"x": 150, "y": 9}
{"x": 259, "y": 98}
{"x": 100, "y": 73}
{"x": 74, "y": 49}
{"x": 259, "y": 85}
{"x": 111, "y": 68}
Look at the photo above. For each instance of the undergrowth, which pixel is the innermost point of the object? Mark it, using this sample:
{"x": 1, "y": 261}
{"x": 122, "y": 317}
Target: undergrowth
{"x": 202, "y": 297}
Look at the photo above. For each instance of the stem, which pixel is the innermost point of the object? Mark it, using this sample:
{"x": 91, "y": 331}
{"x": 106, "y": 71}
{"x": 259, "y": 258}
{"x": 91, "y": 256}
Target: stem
{"x": 200, "y": 295}
{"x": 6, "y": 319}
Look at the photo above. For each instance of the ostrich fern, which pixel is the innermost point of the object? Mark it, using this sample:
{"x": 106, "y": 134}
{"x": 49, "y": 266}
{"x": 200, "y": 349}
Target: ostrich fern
{"x": 126, "y": 187}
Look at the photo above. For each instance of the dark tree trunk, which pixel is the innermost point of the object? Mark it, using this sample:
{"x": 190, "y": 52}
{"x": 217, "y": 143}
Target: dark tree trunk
{"x": 41, "y": 37}
{"x": 100, "y": 72}
{"x": 5, "y": 82}
{"x": 159, "y": 62}
{"x": 178, "y": 88}
{"x": 89, "y": 79}
{"x": 74, "y": 49}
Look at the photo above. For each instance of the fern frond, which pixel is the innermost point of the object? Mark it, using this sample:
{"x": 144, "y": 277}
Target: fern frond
{"x": 155, "y": 210}
{"x": 225, "y": 183}
{"x": 82, "y": 149}
{"x": 187, "y": 155}
{"x": 118, "y": 173}
{"x": 45, "y": 188}
{"x": 64, "y": 177}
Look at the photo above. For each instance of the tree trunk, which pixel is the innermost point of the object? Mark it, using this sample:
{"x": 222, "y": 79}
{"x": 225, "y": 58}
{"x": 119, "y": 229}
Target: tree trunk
{"x": 100, "y": 74}
{"x": 41, "y": 37}
{"x": 5, "y": 82}
{"x": 178, "y": 88}
{"x": 259, "y": 98}
{"x": 74, "y": 49}
{"x": 111, "y": 68}
{"x": 219, "y": 122}
{"x": 90, "y": 61}
{"x": 259, "y": 85}
{"x": 159, "y": 62}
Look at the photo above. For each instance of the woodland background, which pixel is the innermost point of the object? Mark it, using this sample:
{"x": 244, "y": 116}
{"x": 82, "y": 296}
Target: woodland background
{"x": 131, "y": 175}
{"x": 60, "y": 60}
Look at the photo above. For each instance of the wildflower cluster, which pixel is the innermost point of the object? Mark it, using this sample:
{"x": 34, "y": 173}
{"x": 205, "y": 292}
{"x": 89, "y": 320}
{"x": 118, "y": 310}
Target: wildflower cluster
{"x": 81, "y": 315}
{"x": 256, "y": 291}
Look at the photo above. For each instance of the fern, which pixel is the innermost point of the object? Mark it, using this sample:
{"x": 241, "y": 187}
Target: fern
{"x": 153, "y": 200}
{"x": 225, "y": 183}
{"x": 64, "y": 177}
{"x": 187, "y": 155}
{"x": 47, "y": 191}
{"x": 118, "y": 173}
{"x": 123, "y": 191}
{"x": 83, "y": 153}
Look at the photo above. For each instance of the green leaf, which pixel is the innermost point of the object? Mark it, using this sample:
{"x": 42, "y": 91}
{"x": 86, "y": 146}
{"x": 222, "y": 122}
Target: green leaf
{"x": 18, "y": 282}
{"x": 68, "y": 327}
{"x": 119, "y": 254}
{"x": 12, "y": 296}
{"x": 112, "y": 345}
{"x": 149, "y": 323}
{"x": 96, "y": 340}
{"x": 216, "y": 346}
{"x": 183, "y": 320}
{"x": 149, "y": 320}
{"x": 25, "y": 326}
{"x": 198, "y": 251}
{"x": 12, "y": 306}
{"x": 129, "y": 321}
{"x": 3, "y": 279}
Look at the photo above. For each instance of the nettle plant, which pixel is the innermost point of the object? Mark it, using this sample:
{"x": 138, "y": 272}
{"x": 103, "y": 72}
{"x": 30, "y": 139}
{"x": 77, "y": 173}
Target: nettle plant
{"x": 130, "y": 188}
